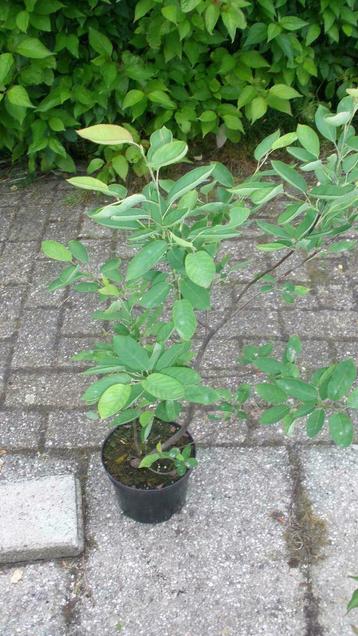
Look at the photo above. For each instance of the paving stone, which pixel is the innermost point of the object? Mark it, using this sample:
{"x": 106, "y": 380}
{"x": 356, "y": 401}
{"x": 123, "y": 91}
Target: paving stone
{"x": 77, "y": 315}
{"x": 199, "y": 567}
{"x": 35, "y": 604}
{"x": 312, "y": 324}
{"x": 75, "y": 430}
{"x": 27, "y": 226}
{"x": 331, "y": 478}
{"x": 62, "y": 226}
{"x": 45, "y": 389}
{"x": 16, "y": 261}
{"x": 68, "y": 347}
{"x": 10, "y": 307}
{"x": 90, "y": 229}
{"x": 336, "y": 296}
{"x": 251, "y": 322}
{"x": 44, "y": 273}
{"x": 99, "y": 251}
{"x": 20, "y": 429}
{"x": 39, "y": 464}
{"x": 7, "y": 217}
{"x": 45, "y": 518}
{"x": 209, "y": 432}
{"x": 35, "y": 345}
{"x": 346, "y": 349}
{"x": 123, "y": 248}
{"x": 315, "y": 353}
{"x": 220, "y": 353}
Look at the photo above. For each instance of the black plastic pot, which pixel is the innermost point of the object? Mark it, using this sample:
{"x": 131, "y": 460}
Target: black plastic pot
{"x": 151, "y": 505}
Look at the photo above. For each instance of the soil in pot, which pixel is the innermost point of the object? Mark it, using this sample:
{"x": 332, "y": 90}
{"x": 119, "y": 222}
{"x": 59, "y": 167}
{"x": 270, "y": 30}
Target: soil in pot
{"x": 119, "y": 457}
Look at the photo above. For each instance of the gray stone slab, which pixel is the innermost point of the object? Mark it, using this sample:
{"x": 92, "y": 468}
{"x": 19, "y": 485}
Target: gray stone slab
{"x": 209, "y": 432}
{"x": 68, "y": 347}
{"x": 40, "y": 519}
{"x": 35, "y": 344}
{"x": 28, "y": 227}
{"x": 254, "y": 322}
{"x": 20, "y": 429}
{"x": 330, "y": 323}
{"x": 6, "y": 218}
{"x": 45, "y": 389}
{"x": 44, "y": 273}
{"x": 77, "y": 315}
{"x": 74, "y": 430}
{"x": 219, "y": 567}
{"x": 10, "y": 307}
{"x": 16, "y": 261}
{"x": 331, "y": 478}
{"x": 35, "y": 604}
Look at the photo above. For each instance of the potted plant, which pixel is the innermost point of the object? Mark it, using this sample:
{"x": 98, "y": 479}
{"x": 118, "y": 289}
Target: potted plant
{"x": 145, "y": 369}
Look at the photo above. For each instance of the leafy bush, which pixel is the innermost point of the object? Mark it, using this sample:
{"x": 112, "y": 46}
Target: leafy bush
{"x": 177, "y": 228}
{"x": 198, "y": 66}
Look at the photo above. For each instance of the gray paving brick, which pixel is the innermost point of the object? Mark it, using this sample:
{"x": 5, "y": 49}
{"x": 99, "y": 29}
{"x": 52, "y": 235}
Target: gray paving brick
{"x": 10, "y": 307}
{"x": 27, "y": 226}
{"x": 331, "y": 477}
{"x": 34, "y": 605}
{"x": 77, "y": 315}
{"x": 68, "y": 347}
{"x": 74, "y": 430}
{"x": 16, "y": 261}
{"x": 7, "y": 217}
{"x": 220, "y": 353}
{"x": 99, "y": 251}
{"x": 346, "y": 349}
{"x": 231, "y": 499}
{"x": 40, "y": 518}
{"x": 35, "y": 345}
{"x": 62, "y": 227}
{"x": 20, "y": 429}
{"x": 336, "y": 296}
{"x": 44, "y": 273}
{"x": 60, "y": 389}
{"x": 90, "y": 229}
{"x": 207, "y": 431}
{"x": 251, "y": 322}
{"x": 312, "y": 324}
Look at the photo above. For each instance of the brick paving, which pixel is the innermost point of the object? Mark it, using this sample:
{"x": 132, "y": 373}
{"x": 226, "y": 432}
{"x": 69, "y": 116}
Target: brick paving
{"x": 243, "y": 559}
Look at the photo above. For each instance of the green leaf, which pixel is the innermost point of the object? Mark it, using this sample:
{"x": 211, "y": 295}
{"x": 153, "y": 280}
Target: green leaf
{"x": 353, "y": 603}
{"x": 274, "y": 414}
{"x": 189, "y": 181}
{"x": 258, "y": 108}
{"x": 113, "y": 400}
{"x": 6, "y": 63}
{"x": 271, "y": 393}
{"x": 352, "y": 401}
{"x": 163, "y": 387}
{"x": 132, "y": 98}
{"x": 155, "y": 296}
{"x": 91, "y": 183}
{"x": 201, "y": 394}
{"x": 106, "y": 134}
{"x": 32, "y": 48}
{"x": 79, "y": 251}
{"x": 110, "y": 269}
{"x": 171, "y": 355}
{"x": 131, "y": 353}
{"x": 266, "y": 145}
{"x": 200, "y": 268}
{"x": 298, "y": 389}
{"x": 212, "y": 14}
{"x": 290, "y": 175}
{"x": 142, "y": 262}
{"x": 168, "y": 154}
{"x": 284, "y": 141}
{"x": 126, "y": 416}
{"x": 56, "y": 251}
{"x": 291, "y": 23}
{"x": 95, "y": 390}
{"x": 197, "y": 296}
{"x": 329, "y": 132}
{"x": 308, "y": 139}
{"x": 185, "y": 375}
{"x": 189, "y": 5}
{"x": 284, "y": 92}
{"x": 315, "y": 422}
{"x": 341, "y": 429}
{"x": 341, "y": 379}
{"x": 99, "y": 42}
{"x": 161, "y": 98}
{"x": 18, "y": 96}
{"x": 149, "y": 460}
{"x": 69, "y": 275}
{"x": 184, "y": 319}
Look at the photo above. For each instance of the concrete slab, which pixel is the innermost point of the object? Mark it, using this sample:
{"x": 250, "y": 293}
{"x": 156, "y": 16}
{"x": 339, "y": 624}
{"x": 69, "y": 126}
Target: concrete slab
{"x": 40, "y": 518}
{"x": 331, "y": 479}
{"x": 218, "y": 568}
{"x": 34, "y": 599}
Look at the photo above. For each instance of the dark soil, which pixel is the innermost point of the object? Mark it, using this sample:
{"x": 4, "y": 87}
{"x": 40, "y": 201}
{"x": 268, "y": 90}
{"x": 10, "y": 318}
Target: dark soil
{"x": 120, "y": 455}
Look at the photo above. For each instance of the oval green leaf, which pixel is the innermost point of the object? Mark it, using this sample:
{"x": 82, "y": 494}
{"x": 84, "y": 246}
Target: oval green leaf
{"x": 200, "y": 268}
{"x": 163, "y": 387}
{"x": 113, "y": 400}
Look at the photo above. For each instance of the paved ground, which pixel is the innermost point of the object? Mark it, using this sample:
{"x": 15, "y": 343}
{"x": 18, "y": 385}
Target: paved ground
{"x": 269, "y": 535}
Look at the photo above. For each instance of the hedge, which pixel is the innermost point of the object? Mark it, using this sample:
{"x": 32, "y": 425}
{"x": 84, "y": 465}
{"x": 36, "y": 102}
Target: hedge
{"x": 197, "y": 66}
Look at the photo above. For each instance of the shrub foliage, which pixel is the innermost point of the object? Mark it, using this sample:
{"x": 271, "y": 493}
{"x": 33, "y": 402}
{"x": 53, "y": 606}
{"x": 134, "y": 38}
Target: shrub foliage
{"x": 197, "y": 66}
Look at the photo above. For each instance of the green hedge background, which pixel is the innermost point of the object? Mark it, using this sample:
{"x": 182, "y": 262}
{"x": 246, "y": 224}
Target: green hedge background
{"x": 198, "y": 66}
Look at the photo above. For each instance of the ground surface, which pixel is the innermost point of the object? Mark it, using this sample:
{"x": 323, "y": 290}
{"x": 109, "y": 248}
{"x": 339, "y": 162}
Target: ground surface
{"x": 269, "y": 535}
